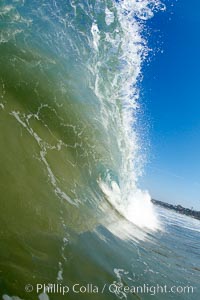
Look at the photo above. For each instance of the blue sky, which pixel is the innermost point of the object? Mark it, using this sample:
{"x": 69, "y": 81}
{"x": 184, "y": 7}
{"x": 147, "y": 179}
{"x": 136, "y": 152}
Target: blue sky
{"x": 171, "y": 97}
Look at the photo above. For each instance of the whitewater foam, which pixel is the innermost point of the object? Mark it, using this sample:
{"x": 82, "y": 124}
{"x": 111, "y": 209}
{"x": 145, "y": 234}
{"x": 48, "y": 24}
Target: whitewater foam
{"x": 137, "y": 209}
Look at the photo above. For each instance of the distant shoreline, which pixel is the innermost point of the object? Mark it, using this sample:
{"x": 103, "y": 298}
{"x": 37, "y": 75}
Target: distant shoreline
{"x": 178, "y": 208}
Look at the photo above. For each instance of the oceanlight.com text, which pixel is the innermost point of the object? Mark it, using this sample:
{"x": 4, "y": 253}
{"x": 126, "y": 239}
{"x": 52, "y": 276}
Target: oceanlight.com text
{"x": 150, "y": 289}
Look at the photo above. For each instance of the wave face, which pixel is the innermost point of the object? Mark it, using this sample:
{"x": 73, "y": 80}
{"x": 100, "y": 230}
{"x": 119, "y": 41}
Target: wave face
{"x": 70, "y": 151}
{"x": 69, "y": 74}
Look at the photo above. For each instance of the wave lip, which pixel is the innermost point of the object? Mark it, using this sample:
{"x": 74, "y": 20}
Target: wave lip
{"x": 128, "y": 42}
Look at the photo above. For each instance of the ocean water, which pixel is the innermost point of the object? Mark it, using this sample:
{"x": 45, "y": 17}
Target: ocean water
{"x": 72, "y": 217}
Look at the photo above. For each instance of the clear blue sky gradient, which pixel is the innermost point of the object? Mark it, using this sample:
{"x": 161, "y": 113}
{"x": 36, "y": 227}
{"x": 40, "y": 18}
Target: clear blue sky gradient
{"x": 171, "y": 96}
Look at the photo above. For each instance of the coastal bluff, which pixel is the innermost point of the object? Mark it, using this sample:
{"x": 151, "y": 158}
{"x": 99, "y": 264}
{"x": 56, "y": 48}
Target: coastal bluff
{"x": 178, "y": 208}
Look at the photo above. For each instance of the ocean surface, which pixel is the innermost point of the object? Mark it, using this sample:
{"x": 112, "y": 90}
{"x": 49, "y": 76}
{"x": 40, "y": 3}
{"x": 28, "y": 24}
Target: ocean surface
{"x": 73, "y": 222}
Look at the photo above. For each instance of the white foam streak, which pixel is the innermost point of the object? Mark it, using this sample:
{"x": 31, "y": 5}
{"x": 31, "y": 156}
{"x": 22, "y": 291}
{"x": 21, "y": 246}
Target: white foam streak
{"x": 24, "y": 121}
{"x": 109, "y": 18}
{"x": 95, "y": 34}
